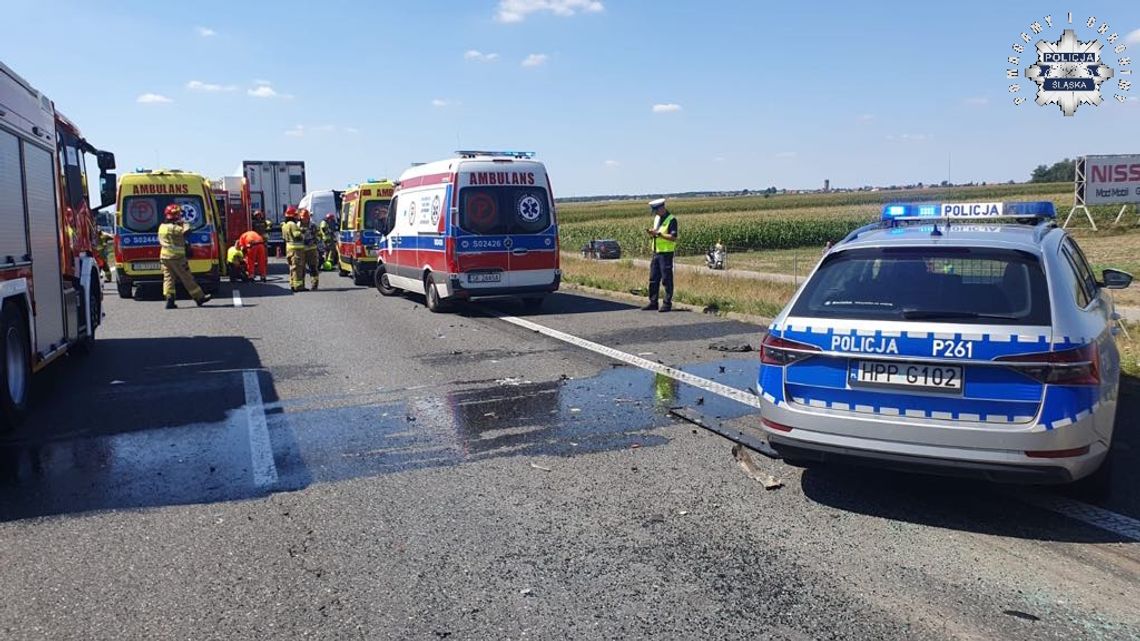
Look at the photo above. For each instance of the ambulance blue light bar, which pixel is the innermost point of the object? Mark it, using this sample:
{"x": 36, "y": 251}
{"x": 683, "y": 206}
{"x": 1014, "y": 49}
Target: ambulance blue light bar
{"x": 968, "y": 211}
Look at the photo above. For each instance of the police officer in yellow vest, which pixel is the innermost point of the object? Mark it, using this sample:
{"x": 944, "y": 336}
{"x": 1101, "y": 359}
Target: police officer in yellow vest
{"x": 664, "y": 235}
{"x": 294, "y": 249}
{"x": 312, "y": 258}
{"x": 172, "y": 256}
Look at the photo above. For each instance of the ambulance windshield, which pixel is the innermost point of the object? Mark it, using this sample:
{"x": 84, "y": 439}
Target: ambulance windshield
{"x": 376, "y": 215}
{"x": 504, "y": 210}
{"x": 952, "y": 284}
{"x": 143, "y": 214}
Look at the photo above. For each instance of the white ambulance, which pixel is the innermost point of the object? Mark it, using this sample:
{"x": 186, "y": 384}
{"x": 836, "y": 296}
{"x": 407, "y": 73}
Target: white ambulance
{"x": 482, "y": 224}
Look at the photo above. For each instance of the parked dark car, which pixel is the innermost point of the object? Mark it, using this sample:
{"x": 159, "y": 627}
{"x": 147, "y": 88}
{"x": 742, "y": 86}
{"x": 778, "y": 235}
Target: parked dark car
{"x": 603, "y": 249}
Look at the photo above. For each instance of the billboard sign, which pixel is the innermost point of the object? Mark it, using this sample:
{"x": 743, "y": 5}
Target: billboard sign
{"x": 1112, "y": 180}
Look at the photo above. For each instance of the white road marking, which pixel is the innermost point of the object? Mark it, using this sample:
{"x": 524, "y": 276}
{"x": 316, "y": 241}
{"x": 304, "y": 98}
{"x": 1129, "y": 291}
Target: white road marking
{"x": 1107, "y": 520}
{"x": 1090, "y": 514}
{"x": 712, "y": 387}
{"x": 260, "y": 448}
{"x": 237, "y": 298}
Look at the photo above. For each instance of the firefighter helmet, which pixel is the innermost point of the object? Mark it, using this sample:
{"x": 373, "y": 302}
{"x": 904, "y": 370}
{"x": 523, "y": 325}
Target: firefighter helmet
{"x": 173, "y": 211}
{"x": 290, "y": 212}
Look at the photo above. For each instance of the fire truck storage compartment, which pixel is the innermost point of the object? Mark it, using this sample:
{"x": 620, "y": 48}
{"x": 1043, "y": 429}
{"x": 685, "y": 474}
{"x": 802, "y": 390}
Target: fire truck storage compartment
{"x": 13, "y": 236}
{"x": 39, "y": 173}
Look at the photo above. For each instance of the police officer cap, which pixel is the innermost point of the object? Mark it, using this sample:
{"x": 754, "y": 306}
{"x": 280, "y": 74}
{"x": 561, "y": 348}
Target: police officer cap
{"x": 654, "y": 204}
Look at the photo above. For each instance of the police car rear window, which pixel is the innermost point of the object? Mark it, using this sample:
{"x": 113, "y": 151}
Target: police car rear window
{"x": 504, "y": 210}
{"x": 953, "y": 284}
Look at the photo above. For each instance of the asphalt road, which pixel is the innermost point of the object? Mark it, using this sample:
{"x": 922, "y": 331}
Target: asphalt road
{"x": 336, "y": 464}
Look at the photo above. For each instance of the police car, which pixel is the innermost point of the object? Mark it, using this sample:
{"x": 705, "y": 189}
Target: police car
{"x": 962, "y": 338}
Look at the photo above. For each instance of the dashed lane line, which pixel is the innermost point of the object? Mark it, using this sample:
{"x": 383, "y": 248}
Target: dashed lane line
{"x": 237, "y": 298}
{"x": 260, "y": 447}
{"x": 1107, "y": 520}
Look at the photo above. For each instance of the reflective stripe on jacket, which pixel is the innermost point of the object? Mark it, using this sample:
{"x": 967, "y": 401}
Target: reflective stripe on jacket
{"x": 294, "y": 237}
{"x": 172, "y": 240}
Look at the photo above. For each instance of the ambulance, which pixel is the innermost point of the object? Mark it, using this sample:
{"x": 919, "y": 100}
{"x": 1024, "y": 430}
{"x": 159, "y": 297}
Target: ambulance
{"x": 479, "y": 225}
{"x": 363, "y": 223}
{"x": 143, "y": 198}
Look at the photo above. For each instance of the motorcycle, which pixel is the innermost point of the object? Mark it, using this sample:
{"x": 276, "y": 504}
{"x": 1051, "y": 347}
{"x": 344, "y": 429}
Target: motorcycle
{"x": 715, "y": 258}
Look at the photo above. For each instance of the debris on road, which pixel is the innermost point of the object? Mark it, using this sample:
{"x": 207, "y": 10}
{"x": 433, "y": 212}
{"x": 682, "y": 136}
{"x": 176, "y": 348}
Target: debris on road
{"x": 635, "y": 446}
{"x": 541, "y": 467}
{"x": 1021, "y": 615}
{"x": 731, "y": 346}
{"x": 511, "y": 381}
{"x": 526, "y": 592}
{"x": 734, "y": 434}
{"x": 744, "y": 459}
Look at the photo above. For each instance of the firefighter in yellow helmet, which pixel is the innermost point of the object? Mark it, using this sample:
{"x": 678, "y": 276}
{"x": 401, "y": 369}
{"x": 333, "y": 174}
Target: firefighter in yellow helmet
{"x": 312, "y": 254}
{"x": 172, "y": 240}
{"x": 294, "y": 249}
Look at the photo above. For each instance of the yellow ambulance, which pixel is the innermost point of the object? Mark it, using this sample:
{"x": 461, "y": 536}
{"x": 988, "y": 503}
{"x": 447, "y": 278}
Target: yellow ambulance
{"x": 363, "y": 224}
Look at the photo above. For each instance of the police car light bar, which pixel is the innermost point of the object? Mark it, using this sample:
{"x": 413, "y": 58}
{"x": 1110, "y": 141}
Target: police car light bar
{"x": 471, "y": 153}
{"x": 967, "y": 211}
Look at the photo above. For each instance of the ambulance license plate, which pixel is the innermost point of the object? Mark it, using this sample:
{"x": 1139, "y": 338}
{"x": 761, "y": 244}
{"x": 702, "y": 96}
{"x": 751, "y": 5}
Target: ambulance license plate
{"x": 942, "y": 378}
{"x": 485, "y": 277}
{"x": 145, "y": 266}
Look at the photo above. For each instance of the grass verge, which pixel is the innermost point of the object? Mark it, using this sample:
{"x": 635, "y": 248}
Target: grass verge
{"x": 721, "y": 293}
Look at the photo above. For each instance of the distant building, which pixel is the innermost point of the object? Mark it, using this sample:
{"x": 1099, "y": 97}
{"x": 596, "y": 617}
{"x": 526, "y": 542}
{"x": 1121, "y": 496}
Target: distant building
{"x": 827, "y": 184}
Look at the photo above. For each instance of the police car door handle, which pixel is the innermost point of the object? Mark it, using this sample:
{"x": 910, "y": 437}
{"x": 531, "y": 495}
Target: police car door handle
{"x": 521, "y": 251}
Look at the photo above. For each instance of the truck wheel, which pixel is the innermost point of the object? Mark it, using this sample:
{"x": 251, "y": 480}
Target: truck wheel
{"x": 95, "y": 301}
{"x": 15, "y": 368}
{"x": 434, "y": 302}
{"x": 380, "y": 279}
{"x": 125, "y": 288}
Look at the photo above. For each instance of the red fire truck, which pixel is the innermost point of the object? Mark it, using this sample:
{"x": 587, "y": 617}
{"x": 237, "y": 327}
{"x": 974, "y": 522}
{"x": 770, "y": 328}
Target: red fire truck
{"x": 231, "y": 194}
{"x": 50, "y": 292}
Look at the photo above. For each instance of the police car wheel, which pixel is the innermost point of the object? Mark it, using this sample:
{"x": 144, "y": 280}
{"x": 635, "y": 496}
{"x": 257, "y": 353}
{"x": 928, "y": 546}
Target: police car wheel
{"x": 380, "y": 280}
{"x": 15, "y": 367}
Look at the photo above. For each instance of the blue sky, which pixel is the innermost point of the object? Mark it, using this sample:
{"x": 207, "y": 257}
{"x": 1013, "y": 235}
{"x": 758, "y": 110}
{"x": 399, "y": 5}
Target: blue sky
{"x": 616, "y": 96}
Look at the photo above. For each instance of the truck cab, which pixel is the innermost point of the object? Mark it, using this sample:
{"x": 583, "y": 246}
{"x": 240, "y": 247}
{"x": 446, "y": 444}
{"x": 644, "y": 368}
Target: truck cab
{"x": 143, "y": 197}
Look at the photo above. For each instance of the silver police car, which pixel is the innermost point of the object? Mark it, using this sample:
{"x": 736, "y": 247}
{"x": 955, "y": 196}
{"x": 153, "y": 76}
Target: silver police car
{"x": 961, "y": 338}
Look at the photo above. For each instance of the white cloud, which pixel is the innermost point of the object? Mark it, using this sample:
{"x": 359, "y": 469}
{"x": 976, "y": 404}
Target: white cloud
{"x": 865, "y": 118}
{"x": 300, "y": 131}
{"x": 787, "y": 154}
{"x": 265, "y": 90}
{"x": 439, "y": 102}
{"x": 296, "y": 132}
{"x": 535, "y": 60}
{"x": 351, "y": 130}
{"x": 612, "y": 163}
{"x": 718, "y": 159}
{"x": 479, "y": 56}
{"x": 909, "y": 137}
{"x": 206, "y": 32}
{"x": 208, "y": 87}
{"x": 1133, "y": 38}
{"x": 976, "y": 101}
{"x": 153, "y": 99}
{"x": 665, "y": 108}
{"x": 517, "y": 10}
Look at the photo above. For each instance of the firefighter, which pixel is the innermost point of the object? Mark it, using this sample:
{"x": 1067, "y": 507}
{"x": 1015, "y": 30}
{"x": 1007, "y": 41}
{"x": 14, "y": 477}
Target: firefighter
{"x": 172, "y": 239}
{"x": 259, "y": 224}
{"x": 294, "y": 249}
{"x": 236, "y": 259}
{"x": 328, "y": 232}
{"x": 105, "y": 247}
{"x": 312, "y": 252}
{"x": 253, "y": 247}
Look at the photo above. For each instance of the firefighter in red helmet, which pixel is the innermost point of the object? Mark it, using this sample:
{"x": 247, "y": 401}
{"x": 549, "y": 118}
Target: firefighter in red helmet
{"x": 172, "y": 240}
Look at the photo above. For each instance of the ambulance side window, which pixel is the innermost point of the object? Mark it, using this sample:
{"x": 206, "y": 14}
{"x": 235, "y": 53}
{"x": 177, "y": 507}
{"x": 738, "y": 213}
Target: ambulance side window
{"x": 393, "y": 216}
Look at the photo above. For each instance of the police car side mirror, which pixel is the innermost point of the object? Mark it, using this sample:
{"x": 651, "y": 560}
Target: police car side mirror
{"x": 1115, "y": 279}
